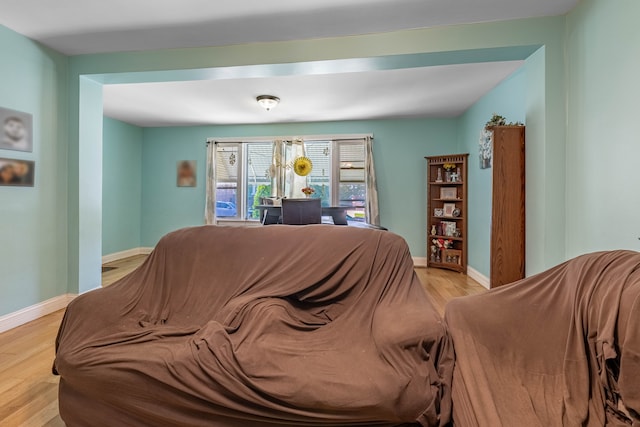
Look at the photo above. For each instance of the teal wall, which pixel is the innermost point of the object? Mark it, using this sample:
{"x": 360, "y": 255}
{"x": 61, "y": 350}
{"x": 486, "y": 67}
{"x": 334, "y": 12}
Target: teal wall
{"x": 603, "y": 146}
{"x": 399, "y": 148}
{"x": 455, "y": 44}
{"x": 509, "y": 100}
{"x": 121, "y": 186}
{"x": 89, "y": 187}
{"x": 584, "y": 64}
{"x": 33, "y": 228}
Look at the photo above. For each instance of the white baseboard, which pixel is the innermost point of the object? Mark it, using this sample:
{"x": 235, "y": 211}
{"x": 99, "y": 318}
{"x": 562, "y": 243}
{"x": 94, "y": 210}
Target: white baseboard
{"x": 27, "y": 314}
{"x": 471, "y": 272}
{"x": 478, "y": 277}
{"x": 419, "y": 261}
{"x": 125, "y": 254}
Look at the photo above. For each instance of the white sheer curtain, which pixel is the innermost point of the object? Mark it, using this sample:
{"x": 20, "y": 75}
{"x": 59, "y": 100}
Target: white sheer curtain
{"x": 372, "y": 215}
{"x": 295, "y": 183}
{"x": 284, "y": 182}
{"x": 210, "y": 198}
{"x": 276, "y": 171}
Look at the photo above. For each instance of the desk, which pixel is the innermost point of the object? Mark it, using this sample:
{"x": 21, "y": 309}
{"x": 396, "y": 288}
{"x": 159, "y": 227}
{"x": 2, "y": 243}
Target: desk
{"x": 337, "y": 213}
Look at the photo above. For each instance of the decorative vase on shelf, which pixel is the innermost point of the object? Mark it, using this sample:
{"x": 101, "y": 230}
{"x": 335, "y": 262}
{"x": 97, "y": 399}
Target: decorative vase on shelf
{"x": 439, "y": 177}
{"x": 433, "y": 230}
{"x": 447, "y": 176}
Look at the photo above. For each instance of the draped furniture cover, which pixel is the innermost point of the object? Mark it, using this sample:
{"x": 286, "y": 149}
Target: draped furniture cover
{"x": 282, "y": 325}
{"x": 561, "y": 348}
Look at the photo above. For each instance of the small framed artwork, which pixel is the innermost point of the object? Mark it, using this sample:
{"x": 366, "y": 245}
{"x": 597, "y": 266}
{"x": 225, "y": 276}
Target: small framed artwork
{"x": 16, "y": 130}
{"x": 485, "y": 148}
{"x": 448, "y": 193}
{"x": 186, "y": 173}
{"x": 438, "y": 212}
{"x": 448, "y": 209}
{"x": 17, "y": 172}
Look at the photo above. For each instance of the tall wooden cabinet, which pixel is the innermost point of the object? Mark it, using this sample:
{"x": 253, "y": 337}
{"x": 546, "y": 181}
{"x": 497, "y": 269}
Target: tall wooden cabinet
{"x": 508, "y": 205}
{"x": 447, "y": 212}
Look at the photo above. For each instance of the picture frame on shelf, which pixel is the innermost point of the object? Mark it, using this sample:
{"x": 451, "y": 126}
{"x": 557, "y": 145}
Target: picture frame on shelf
{"x": 448, "y": 193}
{"x": 447, "y": 228}
{"x": 438, "y": 212}
{"x": 448, "y": 209}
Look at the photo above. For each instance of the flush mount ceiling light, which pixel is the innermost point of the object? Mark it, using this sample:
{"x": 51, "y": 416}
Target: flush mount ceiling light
{"x": 268, "y": 101}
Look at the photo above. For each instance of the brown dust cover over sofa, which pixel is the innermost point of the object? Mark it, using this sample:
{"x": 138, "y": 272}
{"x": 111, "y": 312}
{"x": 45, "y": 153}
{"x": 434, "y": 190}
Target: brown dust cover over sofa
{"x": 558, "y": 349}
{"x": 314, "y": 325}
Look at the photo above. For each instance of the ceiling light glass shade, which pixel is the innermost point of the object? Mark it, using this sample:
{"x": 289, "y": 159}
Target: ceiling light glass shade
{"x": 268, "y": 101}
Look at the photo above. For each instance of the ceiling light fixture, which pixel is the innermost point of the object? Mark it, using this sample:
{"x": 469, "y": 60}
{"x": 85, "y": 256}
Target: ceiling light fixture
{"x": 268, "y": 101}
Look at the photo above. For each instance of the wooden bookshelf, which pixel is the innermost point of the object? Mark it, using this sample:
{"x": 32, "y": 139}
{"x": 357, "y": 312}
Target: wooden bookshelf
{"x": 447, "y": 212}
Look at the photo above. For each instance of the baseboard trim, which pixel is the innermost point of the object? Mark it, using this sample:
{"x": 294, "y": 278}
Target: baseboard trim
{"x": 27, "y": 314}
{"x": 478, "y": 277}
{"x": 126, "y": 254}
{"x": 419, "y": 261}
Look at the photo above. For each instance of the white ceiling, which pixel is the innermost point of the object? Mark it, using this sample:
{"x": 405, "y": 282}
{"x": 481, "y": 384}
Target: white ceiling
{"x": 96, "y": 26}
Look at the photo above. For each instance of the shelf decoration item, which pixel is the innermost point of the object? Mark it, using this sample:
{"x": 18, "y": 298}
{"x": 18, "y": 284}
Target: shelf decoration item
{"x": 446, "y": 208}
{"x": 485, "y": 145}
{"x": 448, "y": 171}
{"x": 449, "y": 208}
{"x": 448, "y": 193}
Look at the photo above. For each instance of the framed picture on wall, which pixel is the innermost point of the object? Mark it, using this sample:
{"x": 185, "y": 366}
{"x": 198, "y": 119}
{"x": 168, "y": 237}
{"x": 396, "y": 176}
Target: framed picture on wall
{"x": 17, "y": 130}
{"x": 485, "y": 148}
{"x": 186, "y": 173}
{"x": 16, "y": 172}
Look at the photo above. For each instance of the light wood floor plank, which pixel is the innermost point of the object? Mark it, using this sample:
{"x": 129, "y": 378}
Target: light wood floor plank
{"x": 29, "y": 391}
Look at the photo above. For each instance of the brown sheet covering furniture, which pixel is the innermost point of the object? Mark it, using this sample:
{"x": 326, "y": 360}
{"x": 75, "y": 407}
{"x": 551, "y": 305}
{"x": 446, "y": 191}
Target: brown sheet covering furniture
{"x": 561, "y": 348}
{"x": 283, "y": 325}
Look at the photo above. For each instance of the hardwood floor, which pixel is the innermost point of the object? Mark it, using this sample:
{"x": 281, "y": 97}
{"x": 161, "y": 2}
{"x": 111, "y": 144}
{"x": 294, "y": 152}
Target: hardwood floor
{"x": 120, "y": 268}
{"x": 444, "y": 285}
{"x": 29, "y": 391}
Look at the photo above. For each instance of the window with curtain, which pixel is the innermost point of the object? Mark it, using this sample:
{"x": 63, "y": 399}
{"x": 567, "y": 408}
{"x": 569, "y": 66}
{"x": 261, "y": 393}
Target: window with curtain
{"x": 246, "y": 172}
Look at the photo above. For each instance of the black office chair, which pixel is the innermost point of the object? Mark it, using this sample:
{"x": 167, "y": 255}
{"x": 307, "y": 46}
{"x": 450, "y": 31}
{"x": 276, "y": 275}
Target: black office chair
{"x": 269, "y": 213}
{"x": 301, "y": 211}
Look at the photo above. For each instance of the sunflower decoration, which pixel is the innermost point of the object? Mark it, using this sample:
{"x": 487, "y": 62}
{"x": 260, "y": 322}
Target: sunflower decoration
{"x": 302, "y": 166}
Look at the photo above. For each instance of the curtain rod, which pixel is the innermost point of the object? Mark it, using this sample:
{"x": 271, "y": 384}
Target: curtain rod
{"x": 337, "y": 137}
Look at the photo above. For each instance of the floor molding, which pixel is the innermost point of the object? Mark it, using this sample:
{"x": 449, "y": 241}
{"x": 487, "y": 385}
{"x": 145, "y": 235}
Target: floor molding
{"x": 478, "y": 277}
{"x": 27, "y": 314}
{"x": 126, "y": 254}
{"x": 419, "y": 261}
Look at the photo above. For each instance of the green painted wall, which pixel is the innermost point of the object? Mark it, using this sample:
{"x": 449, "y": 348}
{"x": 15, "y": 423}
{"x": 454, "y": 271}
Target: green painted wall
{"x": 89, "y": 185}
{"x": 603, "y": 142}
{"x": 33, "y": 228}
{"x": 121, "y": 186}
{"x": 399, "y": 149}
{"x": 509, "y": 100}
{"x": 487, "y": 41}
{"x": 58, "y": 224}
